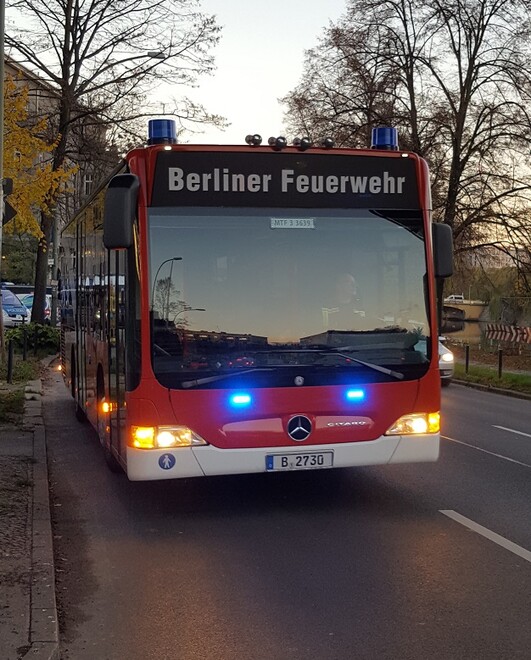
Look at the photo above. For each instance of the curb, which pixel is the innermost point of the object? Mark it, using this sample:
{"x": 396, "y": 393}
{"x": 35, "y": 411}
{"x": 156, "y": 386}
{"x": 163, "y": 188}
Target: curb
{"x": 44, "y": 627}
{"x": 494, "y": 390}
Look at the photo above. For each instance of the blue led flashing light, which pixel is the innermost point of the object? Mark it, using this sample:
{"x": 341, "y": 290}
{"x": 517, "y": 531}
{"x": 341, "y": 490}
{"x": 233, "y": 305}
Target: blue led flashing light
{"x": 162, "y": 131}
{"x": 384, "y": 137}
{"x": 355, "y": 395}
{"x": 240, "y": 400}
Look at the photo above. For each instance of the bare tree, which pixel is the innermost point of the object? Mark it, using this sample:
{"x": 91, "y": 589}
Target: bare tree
{"x": 346, "y": 88}
{"x": 167, "y": 302}
{"x": 104, "y": 58}
{"x": 458, "y": 88}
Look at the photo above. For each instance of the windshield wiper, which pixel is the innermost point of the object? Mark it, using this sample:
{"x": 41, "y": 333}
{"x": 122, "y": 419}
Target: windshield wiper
{"x": 370, "y": 365}
{"x": 212, "y": 379}
{"x": 187, "y": 384}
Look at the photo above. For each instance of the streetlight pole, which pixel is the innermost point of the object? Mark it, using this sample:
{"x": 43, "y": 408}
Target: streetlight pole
{"x": 188, "y": 309}
{"x": 2, "y": 55}
{"x": 54, "y": 279}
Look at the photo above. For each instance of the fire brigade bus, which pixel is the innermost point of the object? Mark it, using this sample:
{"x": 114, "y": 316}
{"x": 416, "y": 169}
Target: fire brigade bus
{"x": 256, "y": 308}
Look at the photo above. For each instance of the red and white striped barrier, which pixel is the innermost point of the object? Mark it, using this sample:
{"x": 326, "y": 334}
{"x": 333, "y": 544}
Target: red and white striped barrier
{"x": 503, "y": 332}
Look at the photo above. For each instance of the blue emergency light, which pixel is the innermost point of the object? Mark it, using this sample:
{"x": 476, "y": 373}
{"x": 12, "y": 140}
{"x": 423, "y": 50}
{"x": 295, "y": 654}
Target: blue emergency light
{"x": 355, "y": 394}
{"x": 384, "y": 137}
{"x": 241, "y": 399}
{"x": 162, "y": 131}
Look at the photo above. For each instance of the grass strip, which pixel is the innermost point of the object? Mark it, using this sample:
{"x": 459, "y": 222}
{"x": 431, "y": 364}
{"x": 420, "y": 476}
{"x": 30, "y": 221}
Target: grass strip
{"x": 11, "y": 404}
{"x": 489, "y": 377}
{"x": 23, "y": 370}
{"x": 12, "y": 394}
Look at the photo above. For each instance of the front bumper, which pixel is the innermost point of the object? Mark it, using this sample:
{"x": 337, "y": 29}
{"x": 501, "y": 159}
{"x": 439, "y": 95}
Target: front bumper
{"x": 447, "y": 374}
{"x": 152, "y": 464}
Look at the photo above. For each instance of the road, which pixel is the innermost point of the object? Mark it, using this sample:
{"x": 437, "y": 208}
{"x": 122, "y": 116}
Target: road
{"x": 420, "y": 561}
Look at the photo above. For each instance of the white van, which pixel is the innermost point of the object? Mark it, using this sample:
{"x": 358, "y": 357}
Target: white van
{"x": 455, "y": 298}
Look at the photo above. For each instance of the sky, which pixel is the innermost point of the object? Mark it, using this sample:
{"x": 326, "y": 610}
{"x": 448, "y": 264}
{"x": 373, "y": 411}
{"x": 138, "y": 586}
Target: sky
{"x": 259, "y": 59}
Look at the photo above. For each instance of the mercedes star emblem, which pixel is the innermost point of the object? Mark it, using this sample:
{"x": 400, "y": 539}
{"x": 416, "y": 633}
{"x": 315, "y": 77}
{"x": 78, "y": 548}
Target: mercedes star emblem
{"x": 299, "y": 428}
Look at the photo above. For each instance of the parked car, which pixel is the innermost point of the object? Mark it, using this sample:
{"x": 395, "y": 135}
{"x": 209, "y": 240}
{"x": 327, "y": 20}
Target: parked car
{"x": 446, "y": 364}
{"x": 14, "y": 312}
{"x": 27, "y": 300}
{"x": 446, "y": 360}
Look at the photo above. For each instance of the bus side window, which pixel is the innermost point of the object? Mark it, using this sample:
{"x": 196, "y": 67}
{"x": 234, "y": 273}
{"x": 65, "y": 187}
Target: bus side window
{"x": 121, "y": 306}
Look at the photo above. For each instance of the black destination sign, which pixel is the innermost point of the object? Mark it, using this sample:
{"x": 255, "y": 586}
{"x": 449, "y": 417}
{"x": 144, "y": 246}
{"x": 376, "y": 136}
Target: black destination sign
{"x": 284, "y": 180}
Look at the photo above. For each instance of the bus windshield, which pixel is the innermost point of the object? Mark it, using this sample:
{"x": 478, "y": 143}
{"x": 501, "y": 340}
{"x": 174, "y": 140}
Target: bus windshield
{"x": 272, "y": 294}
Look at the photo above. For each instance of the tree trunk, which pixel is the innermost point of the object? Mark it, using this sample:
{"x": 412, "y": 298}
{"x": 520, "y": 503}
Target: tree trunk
{"x": 41, "y": 271}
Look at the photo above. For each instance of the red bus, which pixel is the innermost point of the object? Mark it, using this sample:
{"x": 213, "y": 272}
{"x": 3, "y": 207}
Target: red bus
{"x": 256, "y": 308}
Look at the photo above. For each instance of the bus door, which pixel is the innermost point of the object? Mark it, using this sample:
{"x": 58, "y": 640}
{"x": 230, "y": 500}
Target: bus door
{"x": 116, "y": 316}
{"x": 81, "y": 323}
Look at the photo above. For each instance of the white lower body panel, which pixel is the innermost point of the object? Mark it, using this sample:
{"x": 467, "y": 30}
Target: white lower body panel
{"x": 150, "y": 464}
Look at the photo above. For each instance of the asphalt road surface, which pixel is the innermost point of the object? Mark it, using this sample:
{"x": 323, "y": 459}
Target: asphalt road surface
{"x": 418, "y": 561}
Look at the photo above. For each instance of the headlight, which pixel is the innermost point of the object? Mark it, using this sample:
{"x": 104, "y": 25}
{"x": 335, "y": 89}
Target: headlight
{"x": 447, "y": 357}
{"x": 416, "y": 423}
{"x": 163, "y": 437}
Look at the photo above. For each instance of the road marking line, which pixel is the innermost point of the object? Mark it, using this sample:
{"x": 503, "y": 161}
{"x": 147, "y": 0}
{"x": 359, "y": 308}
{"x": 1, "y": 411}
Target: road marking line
{"x": 504, "y": 428}
{"x": 486, "y": 451}
{"x": 488, "y": 534}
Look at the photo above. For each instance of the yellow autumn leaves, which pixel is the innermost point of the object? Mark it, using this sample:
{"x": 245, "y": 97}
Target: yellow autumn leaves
{"x": 28, "y": 160}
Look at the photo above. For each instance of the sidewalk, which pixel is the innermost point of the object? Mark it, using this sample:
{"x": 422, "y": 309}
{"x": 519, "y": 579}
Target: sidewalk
{"x": 28, "y": 614}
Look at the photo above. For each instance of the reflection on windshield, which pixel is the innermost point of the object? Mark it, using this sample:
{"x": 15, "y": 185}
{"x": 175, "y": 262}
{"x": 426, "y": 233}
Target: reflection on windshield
{"x": 251, "y": 290}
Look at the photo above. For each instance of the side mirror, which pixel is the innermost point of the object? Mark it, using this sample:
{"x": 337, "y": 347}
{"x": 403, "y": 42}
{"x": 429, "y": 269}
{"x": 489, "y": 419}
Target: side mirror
{"x": 120, "y": 211}
{"x": 442, "y": 250}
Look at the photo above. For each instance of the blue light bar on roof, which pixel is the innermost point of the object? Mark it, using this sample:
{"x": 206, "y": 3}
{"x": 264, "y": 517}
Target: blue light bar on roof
{"x": 384, "y": 137}
{"x": 162, "y": 131}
